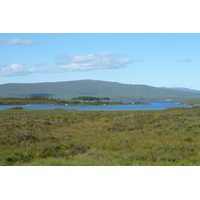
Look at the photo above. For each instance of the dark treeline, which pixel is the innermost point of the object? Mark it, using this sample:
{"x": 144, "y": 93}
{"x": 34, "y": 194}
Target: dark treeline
{"x": 39, "y": 98}
{"x": 89, "y": 98}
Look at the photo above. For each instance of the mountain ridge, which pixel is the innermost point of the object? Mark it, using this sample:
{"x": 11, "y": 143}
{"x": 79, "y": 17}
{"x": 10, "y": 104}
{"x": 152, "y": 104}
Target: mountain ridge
{"x": 184, "y": 89}
{"x": 88, "y": 87}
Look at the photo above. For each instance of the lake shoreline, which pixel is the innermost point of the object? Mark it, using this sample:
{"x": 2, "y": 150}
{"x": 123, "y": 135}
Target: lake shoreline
{"x": 121, "y": 105}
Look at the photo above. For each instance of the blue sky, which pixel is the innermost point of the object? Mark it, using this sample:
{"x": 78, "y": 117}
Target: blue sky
{"x": 156, "y": 59}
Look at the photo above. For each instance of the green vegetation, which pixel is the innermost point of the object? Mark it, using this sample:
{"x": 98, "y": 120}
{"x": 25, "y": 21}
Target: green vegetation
{"x": 98, "y": 103}
{"x": 89, "y": 98}
{"x": 51, "y": 101}
{"x": 29, "y": 100}
{"x": 190, "y": 103}
{"x": 69, "y": 137}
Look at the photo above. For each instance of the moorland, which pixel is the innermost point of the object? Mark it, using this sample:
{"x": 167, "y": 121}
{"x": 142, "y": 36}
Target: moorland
{"x": 61, "y": 137}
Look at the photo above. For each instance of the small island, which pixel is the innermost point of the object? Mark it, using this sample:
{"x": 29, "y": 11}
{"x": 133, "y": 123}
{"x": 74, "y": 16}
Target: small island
{"x": 139, "y": 103}
{"x": 89, "y": 98}
{"x": 189, "y": 103}
{"x": 99, "y": 103}
{"x": 95, "y": 101}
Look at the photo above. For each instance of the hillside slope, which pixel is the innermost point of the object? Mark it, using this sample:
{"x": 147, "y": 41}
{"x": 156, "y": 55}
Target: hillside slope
{"x": 70, "y": 89}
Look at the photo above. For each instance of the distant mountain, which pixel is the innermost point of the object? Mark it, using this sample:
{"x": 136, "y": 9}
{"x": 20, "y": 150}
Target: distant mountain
{"x": 186, "y": 89}
{"x": 70, "y": 89}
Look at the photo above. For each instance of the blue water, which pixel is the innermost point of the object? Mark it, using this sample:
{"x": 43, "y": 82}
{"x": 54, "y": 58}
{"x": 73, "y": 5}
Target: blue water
{"x": 154, "y": 105}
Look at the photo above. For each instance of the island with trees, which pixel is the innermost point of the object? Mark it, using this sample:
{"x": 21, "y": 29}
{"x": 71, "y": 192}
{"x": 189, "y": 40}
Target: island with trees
{"x": 89, "y": 98}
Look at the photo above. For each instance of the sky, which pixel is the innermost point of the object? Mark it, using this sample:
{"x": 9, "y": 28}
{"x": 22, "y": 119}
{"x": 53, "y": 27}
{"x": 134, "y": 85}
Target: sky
{"x": 156, "y": 59}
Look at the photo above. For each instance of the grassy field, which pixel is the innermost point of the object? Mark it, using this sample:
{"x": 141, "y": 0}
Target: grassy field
{"x": 26, "y": 101}
{"x": 100, "y": 138}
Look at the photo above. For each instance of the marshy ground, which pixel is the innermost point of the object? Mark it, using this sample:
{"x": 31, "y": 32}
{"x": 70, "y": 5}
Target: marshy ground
{"x": 100, "y": 138}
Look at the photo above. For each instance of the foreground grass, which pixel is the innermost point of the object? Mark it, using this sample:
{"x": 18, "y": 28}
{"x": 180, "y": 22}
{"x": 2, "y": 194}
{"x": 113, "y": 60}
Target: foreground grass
{"x": 112, "y": 138}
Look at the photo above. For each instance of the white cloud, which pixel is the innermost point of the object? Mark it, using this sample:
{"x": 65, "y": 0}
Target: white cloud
{"x": 20, "y": 70}
{"x": 103, "y": 60}
{"x": 13, "y": 70}
{"x": 17, "y": 41}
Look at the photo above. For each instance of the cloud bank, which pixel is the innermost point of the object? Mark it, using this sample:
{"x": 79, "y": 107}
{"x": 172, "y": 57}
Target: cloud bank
{"x": 17, "y": 41}
{"x": 70, "y": 63}
{"x": 103, "y": 60}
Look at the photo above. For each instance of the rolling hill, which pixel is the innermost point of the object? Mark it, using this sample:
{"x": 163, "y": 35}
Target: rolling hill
{"x": 186, "y": 89}
{"x": 70, "y": 89}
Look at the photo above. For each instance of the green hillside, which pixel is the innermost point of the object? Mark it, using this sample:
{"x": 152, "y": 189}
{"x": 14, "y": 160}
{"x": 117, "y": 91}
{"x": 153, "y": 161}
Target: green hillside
{"x": 71, "y": 89}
